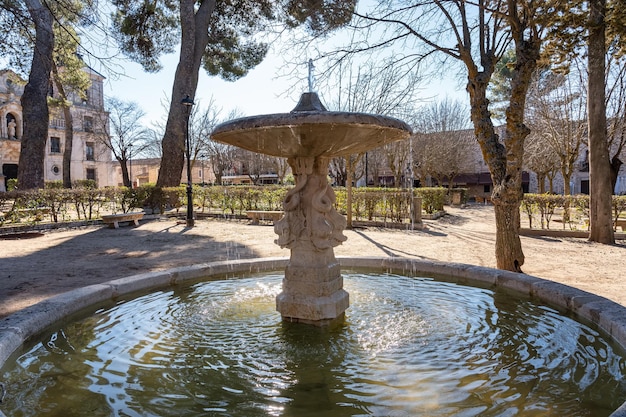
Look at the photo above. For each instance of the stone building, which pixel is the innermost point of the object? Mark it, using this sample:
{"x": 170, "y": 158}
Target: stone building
{"x": 90, "y": 158}
{"x": 477, "y": 178}
{"x": 146, "y": 171}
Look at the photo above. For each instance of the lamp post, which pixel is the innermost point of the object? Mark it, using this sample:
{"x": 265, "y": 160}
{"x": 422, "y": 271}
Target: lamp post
{"x": 202, "y": 172}
{"x": 188, "y": 102}
{"x": 130, "y": 165}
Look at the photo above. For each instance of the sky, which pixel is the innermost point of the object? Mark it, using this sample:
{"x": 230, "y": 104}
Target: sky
{"x": 262, "y": 91}
{"x": 256, "y": 93}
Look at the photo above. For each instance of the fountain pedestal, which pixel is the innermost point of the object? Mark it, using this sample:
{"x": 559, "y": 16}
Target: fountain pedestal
{"x": 311, "y": 227}
{"x": 313, "y": 286}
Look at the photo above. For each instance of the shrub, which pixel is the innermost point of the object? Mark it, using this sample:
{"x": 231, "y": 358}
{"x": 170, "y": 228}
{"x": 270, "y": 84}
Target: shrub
{"x": 12, "y": 184}
{"x": 433, "y": 198}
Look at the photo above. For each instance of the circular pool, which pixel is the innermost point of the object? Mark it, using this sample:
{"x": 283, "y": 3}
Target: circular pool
{"x": 410, "y": 346}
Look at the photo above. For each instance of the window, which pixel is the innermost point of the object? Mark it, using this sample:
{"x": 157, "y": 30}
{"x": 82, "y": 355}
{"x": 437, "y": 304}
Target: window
{"x": 90, "y": 153}
{"x": 88, "y": 124}
{"x": 91, "y": 174}
{"x": 55, "y": 145}
{"x": 487, "y": 188}
{"x": 56, "y": 170}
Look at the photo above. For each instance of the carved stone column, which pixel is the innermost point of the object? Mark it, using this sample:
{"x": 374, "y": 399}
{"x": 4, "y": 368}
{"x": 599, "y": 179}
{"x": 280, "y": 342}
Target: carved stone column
{"x": 311, "y": 227}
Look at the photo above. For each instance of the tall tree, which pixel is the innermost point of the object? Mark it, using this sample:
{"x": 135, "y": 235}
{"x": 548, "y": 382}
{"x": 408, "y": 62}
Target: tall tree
{"x": 68, "y": 79}
{"x": 476, "y": 35}
{"x": 600, "y": 204}
{"x": 376, "y": 88}
{"x": 221, "y": 36}
{"x": 581, "y": 27}
{"x": 35, "y": 112}
{"x": 28, "y": 38}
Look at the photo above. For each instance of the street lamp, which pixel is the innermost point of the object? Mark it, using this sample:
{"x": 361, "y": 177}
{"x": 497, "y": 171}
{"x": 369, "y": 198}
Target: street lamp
{"x": 130, "y": 163}
{"x": 188, "y": 102}
{"x": 202, "y": 172}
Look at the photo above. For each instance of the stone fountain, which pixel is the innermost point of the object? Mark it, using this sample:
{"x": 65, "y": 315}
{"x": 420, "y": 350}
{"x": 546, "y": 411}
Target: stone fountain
{"x": 309, "y": 136}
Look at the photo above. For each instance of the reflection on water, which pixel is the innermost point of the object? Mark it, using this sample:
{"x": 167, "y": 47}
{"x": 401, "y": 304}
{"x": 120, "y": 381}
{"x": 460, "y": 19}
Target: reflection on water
{"x": 409, "y": 347}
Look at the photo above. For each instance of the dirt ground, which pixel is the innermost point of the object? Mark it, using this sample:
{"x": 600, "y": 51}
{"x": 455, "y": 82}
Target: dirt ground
{"x": 32, "y": 269}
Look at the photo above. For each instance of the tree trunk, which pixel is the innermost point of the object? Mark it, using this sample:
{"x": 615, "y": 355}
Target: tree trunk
{"x": 69, "y": 130}
{"x": 349, "y": 192}
{"x": 67, "y": 151}
{"x": 125, "y": 173}
{"x": 600, "y": 214}
{"x": 194, "y": 39}
{"x": 616, "y": 164}
{"x": 505, "y": 161}
{"x": 35, "y": 101}
{"x": 506, "y": 197}
{"x": 567, "y": 191}
{"x": 541, "y": 183}
{"x": 506, "y": 200}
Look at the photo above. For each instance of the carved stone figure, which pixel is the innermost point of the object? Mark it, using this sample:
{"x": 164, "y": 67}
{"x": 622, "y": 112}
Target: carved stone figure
{"x": 11, "y": 129}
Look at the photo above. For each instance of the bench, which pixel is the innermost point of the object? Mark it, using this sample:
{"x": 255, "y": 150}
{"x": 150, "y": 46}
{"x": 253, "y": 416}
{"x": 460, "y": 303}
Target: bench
{"x": 257, "y": 215}
{"x": 113, "y": 220}
{"x": 621, "y": 223}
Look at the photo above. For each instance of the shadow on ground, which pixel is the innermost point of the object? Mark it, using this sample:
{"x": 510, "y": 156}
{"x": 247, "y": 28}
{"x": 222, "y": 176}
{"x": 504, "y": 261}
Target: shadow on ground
{"x": 101, "y": 254}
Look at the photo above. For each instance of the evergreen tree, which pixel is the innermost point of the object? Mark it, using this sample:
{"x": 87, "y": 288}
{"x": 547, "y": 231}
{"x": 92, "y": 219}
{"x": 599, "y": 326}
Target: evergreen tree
{"x": 222, "y": 36}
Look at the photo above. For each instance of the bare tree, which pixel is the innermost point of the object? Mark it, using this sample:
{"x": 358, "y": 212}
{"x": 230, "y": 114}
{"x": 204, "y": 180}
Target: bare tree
{"x": 122, "y": 133}
{"x": 443, "y": 147}
{"x": 221, "y": 156}
{"x": 377, "y": 88}
{"x": 153, "y": 142}
{"x": 280, "y": 167}
{"x": 557, "y": 113}
{"x": 397, "y": 155}
{"x": 444, "y": 155}
{"x": 372, "y": 87}
{"x": 374, "y": 164}
{"x": 542, "y": 160}
{"x": 338, "y": 171}
{"x": 475, "y": 35}
{"x": 445, "y": 115}
{"x": 616, "y": 113}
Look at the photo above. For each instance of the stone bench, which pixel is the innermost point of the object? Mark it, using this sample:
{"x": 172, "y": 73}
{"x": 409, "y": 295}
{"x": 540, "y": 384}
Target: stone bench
{"x": 257, "y": 215}
{"x": 113, "y": 220}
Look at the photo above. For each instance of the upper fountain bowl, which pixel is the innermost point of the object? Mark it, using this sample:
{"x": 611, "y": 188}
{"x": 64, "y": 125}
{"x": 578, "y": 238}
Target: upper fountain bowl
{"x": 310, "y": 131}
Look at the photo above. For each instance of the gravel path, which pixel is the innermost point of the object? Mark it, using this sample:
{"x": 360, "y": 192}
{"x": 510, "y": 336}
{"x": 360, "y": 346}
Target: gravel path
{"x": 32, "y": 269}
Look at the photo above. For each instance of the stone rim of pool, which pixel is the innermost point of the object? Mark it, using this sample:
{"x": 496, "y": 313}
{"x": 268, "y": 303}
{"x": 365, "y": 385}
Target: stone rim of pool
{"x": 18, "y": 328}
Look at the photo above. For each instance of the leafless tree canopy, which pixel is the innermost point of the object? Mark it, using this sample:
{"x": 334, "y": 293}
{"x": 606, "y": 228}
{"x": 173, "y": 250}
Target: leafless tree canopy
{"x": 122, "y": 133}
{"x": 557, "y": 116}
{"x": 443, "y": 146}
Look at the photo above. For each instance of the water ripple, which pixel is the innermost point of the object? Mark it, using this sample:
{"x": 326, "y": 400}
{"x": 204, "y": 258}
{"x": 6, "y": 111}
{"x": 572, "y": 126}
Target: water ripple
{"x": 409, "y": 347}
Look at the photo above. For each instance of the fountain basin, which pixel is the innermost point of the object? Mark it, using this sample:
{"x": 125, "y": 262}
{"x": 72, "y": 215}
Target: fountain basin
{"x": 18, "y": 328}
{"x": 311, "y": 134}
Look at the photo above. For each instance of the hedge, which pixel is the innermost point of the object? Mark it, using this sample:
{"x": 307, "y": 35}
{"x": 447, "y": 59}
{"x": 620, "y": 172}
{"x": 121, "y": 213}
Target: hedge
{"x": 85, "y": 202}
{"x": 540, "y": 208}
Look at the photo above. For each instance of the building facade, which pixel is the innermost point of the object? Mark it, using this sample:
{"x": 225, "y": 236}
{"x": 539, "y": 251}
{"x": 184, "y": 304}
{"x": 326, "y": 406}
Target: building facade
{"x": 91, "y": 159}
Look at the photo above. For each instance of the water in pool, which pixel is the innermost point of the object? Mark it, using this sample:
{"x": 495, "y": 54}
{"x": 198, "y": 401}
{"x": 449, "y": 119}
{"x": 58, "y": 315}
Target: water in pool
{"x": 409, "y": 347}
